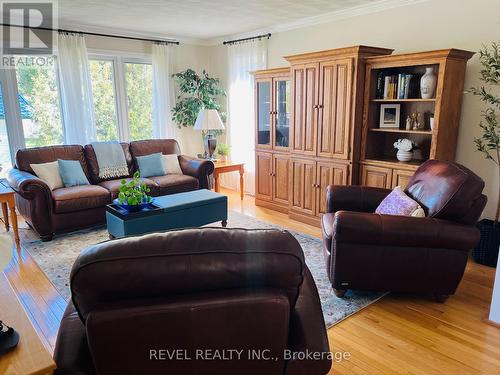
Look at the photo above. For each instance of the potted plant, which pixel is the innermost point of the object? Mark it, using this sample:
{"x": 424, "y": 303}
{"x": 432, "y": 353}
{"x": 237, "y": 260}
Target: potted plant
{"x": 488, "y": 143}
{"x": 133, "y": 195}
{"x": 196, "y": 92}
{"x": 223, "y": 151}
{"x": 405, "y": 149}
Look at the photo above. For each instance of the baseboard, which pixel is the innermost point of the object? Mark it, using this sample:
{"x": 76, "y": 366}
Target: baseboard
{"x": 311, "y": 220}
{"x": 271, "y": 205}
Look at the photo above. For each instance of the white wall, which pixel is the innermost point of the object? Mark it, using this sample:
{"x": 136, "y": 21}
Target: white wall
{"x": 429, "y": 25}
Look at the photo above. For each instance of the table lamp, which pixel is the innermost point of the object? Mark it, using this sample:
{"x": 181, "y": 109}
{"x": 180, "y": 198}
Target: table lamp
{"x": 9, "y": 338}
{"x": 206, "y": 121}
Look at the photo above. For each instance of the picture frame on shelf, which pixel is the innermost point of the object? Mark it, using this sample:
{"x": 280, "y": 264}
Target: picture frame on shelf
{"x": 390, "y": 116}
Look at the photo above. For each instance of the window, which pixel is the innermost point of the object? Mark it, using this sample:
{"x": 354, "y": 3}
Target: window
{"x": 39, "y": 105}
{"x": 139, "y": 86}
{"x": 103, "y": 92}
{"x": 5, "y": 161}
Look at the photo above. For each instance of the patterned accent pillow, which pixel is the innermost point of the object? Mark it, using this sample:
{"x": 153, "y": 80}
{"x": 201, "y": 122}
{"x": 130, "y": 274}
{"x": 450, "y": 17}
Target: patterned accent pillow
{"x": 398, "y": 203}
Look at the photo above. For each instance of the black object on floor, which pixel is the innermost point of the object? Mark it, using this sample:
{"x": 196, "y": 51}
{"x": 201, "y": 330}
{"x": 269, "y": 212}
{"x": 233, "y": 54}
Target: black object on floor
{"x": 9, "y": 338}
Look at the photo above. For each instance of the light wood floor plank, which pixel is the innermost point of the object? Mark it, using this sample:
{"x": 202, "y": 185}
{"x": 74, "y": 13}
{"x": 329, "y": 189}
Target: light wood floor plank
{"x": 400, "y": 334}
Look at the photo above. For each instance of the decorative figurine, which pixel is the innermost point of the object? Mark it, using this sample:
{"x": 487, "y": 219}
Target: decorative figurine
{"x": 409, "y": 123}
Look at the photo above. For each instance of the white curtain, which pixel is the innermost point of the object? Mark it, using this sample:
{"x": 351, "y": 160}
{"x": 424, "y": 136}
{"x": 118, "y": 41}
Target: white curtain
{"x": 243, "y": 58}
{"x": 163, "y": 95}
{"x": 76, "y": 90}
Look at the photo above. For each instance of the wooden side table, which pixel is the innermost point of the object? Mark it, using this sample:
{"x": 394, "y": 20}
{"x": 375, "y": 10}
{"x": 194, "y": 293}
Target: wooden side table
{"x": 225, "y": 167}
{"x": 9, "y": 204}
{"x": 30, "y": 356}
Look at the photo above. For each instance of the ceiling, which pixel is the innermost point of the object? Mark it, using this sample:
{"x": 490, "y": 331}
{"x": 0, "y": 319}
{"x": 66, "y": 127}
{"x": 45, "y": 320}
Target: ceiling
{"x": 196, "y": 19}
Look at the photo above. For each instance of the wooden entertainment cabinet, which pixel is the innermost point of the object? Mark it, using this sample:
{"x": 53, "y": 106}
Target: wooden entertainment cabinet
{"x": 317, "y": 123}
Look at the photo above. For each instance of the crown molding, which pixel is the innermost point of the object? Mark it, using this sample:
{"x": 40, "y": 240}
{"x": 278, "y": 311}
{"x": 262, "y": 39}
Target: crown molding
{"x": 377, "y": 6}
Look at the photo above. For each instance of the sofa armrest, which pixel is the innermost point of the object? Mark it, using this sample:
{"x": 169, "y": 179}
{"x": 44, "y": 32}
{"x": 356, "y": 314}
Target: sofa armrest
{"x": 28, "y": 185}
{"x": 354, "y": 198}
{"x": 198, "y": 168}
{"x": 308, "y": 332}
{"x": 403, "y": 231}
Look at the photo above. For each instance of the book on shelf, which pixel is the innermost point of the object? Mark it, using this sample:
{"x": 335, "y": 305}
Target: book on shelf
{"x": 396, "y": 86}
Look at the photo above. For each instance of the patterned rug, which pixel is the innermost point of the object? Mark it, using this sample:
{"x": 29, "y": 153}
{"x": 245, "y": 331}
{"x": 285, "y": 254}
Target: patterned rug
{"x": 56, "y": 258}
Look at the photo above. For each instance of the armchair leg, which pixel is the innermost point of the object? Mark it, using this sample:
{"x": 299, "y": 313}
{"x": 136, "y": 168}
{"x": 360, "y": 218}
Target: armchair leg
{"x": 339, "y": 292}
{"x": 441, "y": 298}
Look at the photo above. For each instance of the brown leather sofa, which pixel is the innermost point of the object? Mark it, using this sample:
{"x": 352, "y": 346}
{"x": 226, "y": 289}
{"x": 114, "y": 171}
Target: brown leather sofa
{"x": 67, "y": 209}
{"x": 168, "y": 303}
{"x": 368, "y": 251}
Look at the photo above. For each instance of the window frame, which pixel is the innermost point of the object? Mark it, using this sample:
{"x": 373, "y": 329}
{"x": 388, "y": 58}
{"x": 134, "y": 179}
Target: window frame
{"x": 119, "y": 59}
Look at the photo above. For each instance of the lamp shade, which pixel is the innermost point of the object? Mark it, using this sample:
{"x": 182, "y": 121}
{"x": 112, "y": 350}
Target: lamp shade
{"x": 208, "y": 119}
{"x": 5, "y": 250}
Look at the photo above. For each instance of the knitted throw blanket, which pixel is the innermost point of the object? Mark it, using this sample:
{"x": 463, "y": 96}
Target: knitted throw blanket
{"x": 110, "y": 159}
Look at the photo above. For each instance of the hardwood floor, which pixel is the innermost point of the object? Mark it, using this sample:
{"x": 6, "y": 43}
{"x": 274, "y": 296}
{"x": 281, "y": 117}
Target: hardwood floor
{"x": 398, "y": 334}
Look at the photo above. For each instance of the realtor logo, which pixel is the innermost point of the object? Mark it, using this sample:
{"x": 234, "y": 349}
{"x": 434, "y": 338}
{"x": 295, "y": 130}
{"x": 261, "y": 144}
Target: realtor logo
{"x": 27, "y": 37}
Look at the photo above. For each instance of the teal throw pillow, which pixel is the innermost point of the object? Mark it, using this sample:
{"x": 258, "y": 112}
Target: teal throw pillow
{"x": 151, "y": 165}
{"x": 72, "y": 173}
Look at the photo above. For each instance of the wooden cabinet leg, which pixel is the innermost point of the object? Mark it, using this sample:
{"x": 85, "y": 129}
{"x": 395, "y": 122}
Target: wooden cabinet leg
{"x": 13, "y": 219}
{"x": 242, "y": 185}
{"x": 5, "y": 216}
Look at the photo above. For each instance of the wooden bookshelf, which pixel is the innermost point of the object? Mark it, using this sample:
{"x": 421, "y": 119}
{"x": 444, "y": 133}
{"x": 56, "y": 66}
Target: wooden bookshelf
{"x": 389, "y": 130}
{"x": 378, "y": 164}
{"x": 417, "y": 100}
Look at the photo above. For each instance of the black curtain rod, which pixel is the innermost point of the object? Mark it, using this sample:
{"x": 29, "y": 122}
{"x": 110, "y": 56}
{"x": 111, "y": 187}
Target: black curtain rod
{"x": 94, "y": 34}
{"x": 268, "y": 35}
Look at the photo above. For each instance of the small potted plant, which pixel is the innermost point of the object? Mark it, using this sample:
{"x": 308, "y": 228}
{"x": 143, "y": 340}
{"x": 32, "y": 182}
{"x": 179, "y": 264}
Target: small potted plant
{"x": 405, "y": 149}
{"x": 223, "y": 151}
{"x": 486, "y": 252}
{"x": 133, "y": 195}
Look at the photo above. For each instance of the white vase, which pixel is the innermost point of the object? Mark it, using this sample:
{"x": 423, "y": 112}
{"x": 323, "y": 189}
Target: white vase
{"x": 404, "y": 155}
{"x": 428, "y": 84}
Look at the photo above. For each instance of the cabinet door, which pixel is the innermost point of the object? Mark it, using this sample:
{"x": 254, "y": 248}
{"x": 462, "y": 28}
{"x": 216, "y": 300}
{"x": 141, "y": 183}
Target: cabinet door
{"x": 304, "y": 94}
{"x": 281, "y": 177}
{"x": 401, "y": 178}
{"x": 303, "y": 181}
{"x": 281, "y": 113}
{"x": 263, "y": 175}
{"x": 328, "y": 174}
{"x": 334, "y": 118}
{"x": 376, "y": 176}
{"x": 263, "y": 108}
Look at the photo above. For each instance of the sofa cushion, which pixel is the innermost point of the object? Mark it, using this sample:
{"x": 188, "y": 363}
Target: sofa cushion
{"x": 150, "y": 165}
{"x": 38, "y": 155}
{"x": 94, "y": 167}
{"x": 49, "y": 172}
{"x": 175, "y": 183}
{"x": 327, "y": 229}
{"x": 77, "y": 198}
{"x": 153, "y": 146}
{"x": 113, "y": 186}
{"x": 72, "y": 173}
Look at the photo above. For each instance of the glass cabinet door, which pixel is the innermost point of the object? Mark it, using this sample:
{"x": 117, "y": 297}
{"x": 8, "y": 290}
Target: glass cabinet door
{"x": 264, "y": 112}
{"x": 282, "y": 112}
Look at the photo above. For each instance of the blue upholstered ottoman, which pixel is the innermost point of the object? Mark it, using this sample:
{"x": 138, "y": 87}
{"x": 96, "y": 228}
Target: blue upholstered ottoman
{"x": 175, "y": 211}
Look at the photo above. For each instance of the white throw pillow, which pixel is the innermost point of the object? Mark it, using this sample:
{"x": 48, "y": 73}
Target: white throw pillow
{"x": 171, "y": 164}
{"x": 49, "y": 172}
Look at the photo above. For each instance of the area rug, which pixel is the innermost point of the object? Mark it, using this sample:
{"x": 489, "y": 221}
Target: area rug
{"x": 56, "y": 258}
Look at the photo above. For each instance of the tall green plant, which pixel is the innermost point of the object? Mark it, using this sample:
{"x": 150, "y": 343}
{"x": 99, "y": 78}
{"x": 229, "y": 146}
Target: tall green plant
{"x": 489, "y": 141}
{"x": 196, "y": 92}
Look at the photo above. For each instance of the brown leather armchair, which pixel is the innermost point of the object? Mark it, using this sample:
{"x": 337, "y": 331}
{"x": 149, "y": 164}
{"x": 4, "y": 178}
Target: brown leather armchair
{"x": 166, "y": 303}
{"x": 368, "y": 251}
